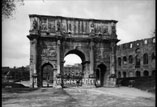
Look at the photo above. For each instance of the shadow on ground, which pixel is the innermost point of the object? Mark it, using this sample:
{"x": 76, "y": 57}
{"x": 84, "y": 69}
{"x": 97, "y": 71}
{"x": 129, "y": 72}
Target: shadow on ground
{"x": 18, "y": 90}
{"x": 12, "y": 87}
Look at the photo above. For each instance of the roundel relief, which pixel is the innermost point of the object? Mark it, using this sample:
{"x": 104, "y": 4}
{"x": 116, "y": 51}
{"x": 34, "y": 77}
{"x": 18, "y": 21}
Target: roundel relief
{"x": 48, "y": 52}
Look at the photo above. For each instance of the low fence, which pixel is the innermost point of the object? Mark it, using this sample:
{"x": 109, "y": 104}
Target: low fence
{"x": 144, "y": 83}
{"x": 76, "y": 81}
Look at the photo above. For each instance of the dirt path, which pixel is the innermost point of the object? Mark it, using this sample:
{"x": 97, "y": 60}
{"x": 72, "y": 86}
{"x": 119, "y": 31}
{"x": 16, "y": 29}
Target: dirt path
{"x": 78, "y": 97}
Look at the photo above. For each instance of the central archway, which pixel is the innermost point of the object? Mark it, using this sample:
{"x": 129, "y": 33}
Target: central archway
{"x": 74, "y": 72}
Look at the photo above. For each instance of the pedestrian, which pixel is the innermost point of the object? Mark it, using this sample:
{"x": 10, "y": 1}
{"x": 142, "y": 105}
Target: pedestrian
{"x": 78, "y": 82}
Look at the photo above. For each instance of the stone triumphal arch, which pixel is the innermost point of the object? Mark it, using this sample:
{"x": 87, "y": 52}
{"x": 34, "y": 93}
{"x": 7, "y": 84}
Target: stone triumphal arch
{"x": 54, "y": 37}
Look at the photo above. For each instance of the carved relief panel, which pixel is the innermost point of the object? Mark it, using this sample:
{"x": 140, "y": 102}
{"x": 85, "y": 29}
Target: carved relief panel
{"x": 64, "y": 26}
{"x": 101, "y": 28}
{"x": 98, "y": 28}
{"x": 106, "y": 56}
{"x": 97, "y": 54}
{"x": 113, "y": 28}
{"x": 44, "y": 24}
{"x": 59, "y": 26}
{"x": 49, "y": 50}
{"x": 92, "y": 28}
{"x": 105, "y": 30}
{"x": 51, "y": 25}
{"x": 34, "y": 23}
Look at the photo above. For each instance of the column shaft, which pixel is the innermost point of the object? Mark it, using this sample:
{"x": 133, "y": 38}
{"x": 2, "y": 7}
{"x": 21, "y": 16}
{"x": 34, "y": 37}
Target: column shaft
{"x": 33, "y": 58}
{"x": 91, "y": 58}
{"x": 112, "y": 63}
{"x": 58, "y": 56}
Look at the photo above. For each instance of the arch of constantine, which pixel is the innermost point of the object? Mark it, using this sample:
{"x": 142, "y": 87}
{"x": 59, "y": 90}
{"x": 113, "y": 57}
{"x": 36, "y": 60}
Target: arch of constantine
{"x": 54, "y": 37}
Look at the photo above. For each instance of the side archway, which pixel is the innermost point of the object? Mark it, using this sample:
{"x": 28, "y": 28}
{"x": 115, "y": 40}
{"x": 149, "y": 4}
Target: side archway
{"x": 47, "y": 74}
{"x": 100, "y": 74}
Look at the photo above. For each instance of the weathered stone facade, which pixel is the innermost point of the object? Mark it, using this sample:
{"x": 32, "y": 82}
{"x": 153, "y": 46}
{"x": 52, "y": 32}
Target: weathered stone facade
{"x": 54, "y": 37}
{"x": 135, "y": 59}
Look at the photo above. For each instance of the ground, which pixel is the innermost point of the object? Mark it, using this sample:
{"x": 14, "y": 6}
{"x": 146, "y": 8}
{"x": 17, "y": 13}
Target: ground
{"x": 77, "y": 97}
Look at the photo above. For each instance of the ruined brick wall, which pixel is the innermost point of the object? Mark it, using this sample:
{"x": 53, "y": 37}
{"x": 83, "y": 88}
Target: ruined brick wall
{"x": 142, "y": 50}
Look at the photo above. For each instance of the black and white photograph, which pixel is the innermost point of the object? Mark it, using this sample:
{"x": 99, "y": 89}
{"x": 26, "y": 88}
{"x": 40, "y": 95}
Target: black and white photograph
{"x": 78, "y": 53}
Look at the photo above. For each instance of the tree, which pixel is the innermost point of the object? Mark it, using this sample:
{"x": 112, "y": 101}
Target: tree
{"x": 153, "y": 33}
{"x": 9, "y": 6}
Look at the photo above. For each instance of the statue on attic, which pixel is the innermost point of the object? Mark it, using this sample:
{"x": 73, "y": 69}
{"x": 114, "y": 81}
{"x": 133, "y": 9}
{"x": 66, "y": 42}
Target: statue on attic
{"x": 105, "y": 31}
{"x": 35, "y": 24}
{"x": 113, "y": 29}
{"x": 58, "y": 26}
{"x": 92, "y": 28}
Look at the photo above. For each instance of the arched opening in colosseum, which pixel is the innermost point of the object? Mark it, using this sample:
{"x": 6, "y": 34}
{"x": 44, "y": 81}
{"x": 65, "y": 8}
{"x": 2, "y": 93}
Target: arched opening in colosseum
{"x": 145, "y": 73}
{"x": 119, "y": 61}
{"x": 119, "y": 74}
{"x": 137, "y": 61}
{"x": 130, "y": 59}
{"x": 131, "y": 74}
{"x": 124, "y": 60}
{"x": 153, "y": 72}
{"x": 145, "y": 58}
{"x": 153, "y": 56}
{"x": 138, "y": 74}
{"x": 124, "y": 74}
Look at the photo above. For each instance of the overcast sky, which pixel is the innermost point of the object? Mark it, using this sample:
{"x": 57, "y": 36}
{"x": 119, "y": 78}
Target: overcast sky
{"x": 136, "y": 20}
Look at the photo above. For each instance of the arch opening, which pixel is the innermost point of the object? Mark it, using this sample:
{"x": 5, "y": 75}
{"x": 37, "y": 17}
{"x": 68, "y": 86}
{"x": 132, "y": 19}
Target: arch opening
{"x": 137, "y": 61}
{"x": 47, "y": 75}
{"x": 72, "y": 59}
{"x": 124, "y": 74}
{"x": 138, "y": 74}
{"x": 73, "y": 67}
{"x": 100, "y": 74}
{"x": 76, "y": 52}
{"x": 154, "y": 73}
{"x": 145, "y": 58}
{"x": 145, "y": 73}
{"x": 119, "y": 74}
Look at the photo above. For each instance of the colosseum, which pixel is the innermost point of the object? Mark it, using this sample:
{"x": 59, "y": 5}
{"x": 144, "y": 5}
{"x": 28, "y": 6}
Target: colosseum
{"x": 136, "y": 59}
